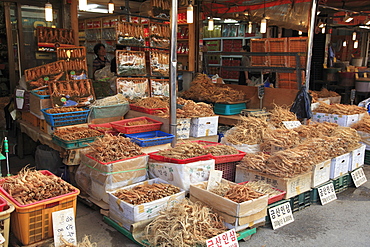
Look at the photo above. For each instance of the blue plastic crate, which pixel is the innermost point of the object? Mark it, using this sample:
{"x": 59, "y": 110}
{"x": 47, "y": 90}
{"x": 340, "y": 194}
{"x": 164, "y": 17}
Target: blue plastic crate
{"x": 151, "y": 138}
{"x": 40, "y": 96}
{"x": 229, "y": 109}
{"x": 66, "y": 118}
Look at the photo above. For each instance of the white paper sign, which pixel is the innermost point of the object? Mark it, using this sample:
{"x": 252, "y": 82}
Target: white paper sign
{"x": 226, "y": 239}
{"x": 64, "y": 227}
{"x": 281, "y": 215}
{"x": 358, "y": 177}
{"x": 291, "y": 124}
{"x": 327, "y": 193}
{"x": 214, "y": 179}
{"x": 19, "y": 98}
{"x": 2, "y": 239}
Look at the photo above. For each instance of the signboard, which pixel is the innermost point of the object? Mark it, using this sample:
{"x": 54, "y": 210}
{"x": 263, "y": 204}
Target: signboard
{"x": 358, "y": 177}
{"x": 215, "y": 177}
{"x": 226, "y": 239}
{"x": 64, "y": 227}
{"x": 281, "y": 215}
{"x": 327, "y": 193}
{"x": 291, "y": 124}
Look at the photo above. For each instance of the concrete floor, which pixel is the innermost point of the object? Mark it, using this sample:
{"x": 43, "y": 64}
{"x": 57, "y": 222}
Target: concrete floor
{"x": 344, "y": 222}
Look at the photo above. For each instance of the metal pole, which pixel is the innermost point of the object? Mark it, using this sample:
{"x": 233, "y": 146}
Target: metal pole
{"x": 173, "y": 70}
{"x": 311, "y": 32}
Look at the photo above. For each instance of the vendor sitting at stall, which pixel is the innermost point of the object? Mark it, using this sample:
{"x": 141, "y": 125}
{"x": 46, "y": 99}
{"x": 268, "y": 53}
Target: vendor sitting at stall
{"x": 101, "y": 60}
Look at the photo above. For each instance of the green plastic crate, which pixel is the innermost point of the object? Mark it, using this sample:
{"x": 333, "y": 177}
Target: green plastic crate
{"x": 341, "y": 183}
{"x": 367, "y": 157}
{"x": 229, "y": 109}
{"x": 300, "y": 201}
{"x": 267, "y": 218}
{"x": 315, "y": 198}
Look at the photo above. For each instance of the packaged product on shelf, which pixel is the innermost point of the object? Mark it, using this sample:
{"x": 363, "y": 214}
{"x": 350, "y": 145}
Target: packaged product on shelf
{"x": 40, "y": 76}
{"x": 131, "y": 63}
{"x": 133, "y": 88}
{"x": 159, "y": 63}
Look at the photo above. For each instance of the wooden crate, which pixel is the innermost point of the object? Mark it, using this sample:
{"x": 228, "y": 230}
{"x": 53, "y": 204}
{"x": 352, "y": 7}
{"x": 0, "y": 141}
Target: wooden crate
{"x": 278, "y": 45}
{"x": 30, "y": 118}
{"x": 293, "y": 186}
{"x": 259, "y": 45}
{"x": 36, "y": 104}
{"x": 298, "y": 44}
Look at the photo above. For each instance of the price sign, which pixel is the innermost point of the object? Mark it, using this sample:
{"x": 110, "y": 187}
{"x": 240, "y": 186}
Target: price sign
{"x": 215, "y": 177}
{"x": 64, "y": 227}
{"x": 281, "y": 215}
{"x": 327, "y": 193}
{"x": 291, "y": 124}
{"x": 226, "y": 239}
{"x": 358, "y": 177}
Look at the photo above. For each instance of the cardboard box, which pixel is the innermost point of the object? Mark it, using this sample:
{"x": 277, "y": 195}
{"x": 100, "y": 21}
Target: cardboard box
{"x": 357, "y": 158}
{"x": 181, "y": 175}
{"x": 339, "y": 166}
{"x": 344, "y": 120}
{"x": 293, "y": 186}
{"x": 36, "y": 104}
{"x": 96, "y": 179}
{"x": 30, "y": 118}
{"x": 204, "y": 126}
{"x": 145, "y": 211}
{"x": 235, "y": 214}
{"x": 321, "y": 173}
{"x": 320, "y": 117}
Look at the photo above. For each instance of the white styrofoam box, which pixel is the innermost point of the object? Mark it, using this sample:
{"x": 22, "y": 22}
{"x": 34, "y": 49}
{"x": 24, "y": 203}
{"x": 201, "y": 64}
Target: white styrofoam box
{"x": 247, "y": 148}
{"x": 324, "y": 100}
{"x": 339, "y": 166}
{"x": 357, "y": 158}
{"x": 204, "y": 126}
{"x": 314, "y": 105}
{"x": 321, "y": 173}
{"x": 181, "y": 175}
{"x": 344, "y": 120}
{"x": 145, "y": 211}
{"x": 320, "y": 117}
{"x": 365, "y": 139}
{"x": 183, "y": 128}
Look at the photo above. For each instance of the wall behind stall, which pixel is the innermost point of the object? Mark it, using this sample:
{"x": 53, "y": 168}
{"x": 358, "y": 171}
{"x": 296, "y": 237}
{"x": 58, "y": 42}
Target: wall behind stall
{"x": 279, "y": 96}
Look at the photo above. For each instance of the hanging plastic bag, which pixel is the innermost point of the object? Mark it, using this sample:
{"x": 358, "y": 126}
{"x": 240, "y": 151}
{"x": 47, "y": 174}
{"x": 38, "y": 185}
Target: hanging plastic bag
{"x": 302, "y": 104}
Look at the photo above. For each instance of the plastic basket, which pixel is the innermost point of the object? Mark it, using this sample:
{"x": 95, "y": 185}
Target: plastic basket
{"x": 40, "y": 96}
{"x": 67, "y": 118}
{"x": 104, "y": 125}
{"x": 341, "y": 183}
{"x": 157, "y": 157}
{"x": 151, "y": 111}
{"x": 228, "y": 170}
{"x": 79, "y": 143}
{"x": 229, "y": 109}
{"x": 5, "y": 223}
{"x": 315, "y": 198}
{"x": 3, "y": 204}
{"x": 151, "y": 138}
{"x": 300, "y": 201}
{"x": 32, "y": 223}
{"x": 121, "y": 126}
{"x": 229, "y": 158}
{"x": 275, "y": 198}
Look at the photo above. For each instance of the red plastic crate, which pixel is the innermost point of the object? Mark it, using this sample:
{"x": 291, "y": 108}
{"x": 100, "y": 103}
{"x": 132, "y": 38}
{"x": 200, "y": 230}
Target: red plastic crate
{"x": 228, "y": 170}
{"x": 229, "y": 158}
{"x": 105, "y": 125}
{"x": 121, "y": 126}
{"x": 151, "y": 111}
{"x": 274, "y": 198}
{"x": 157, "y": 157}
{"x": 3, "y": 204}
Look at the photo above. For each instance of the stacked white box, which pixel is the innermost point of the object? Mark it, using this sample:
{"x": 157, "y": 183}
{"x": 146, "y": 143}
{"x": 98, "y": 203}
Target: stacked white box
{"x": 321, "y": 173}
{"x": 204, "y": 126}
{"x": 357, "y": 158}
{"x": 339, "y": 166}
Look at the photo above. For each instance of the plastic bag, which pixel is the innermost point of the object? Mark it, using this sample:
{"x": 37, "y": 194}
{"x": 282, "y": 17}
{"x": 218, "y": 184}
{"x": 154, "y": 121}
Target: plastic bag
{"x": 302, "y": 104}
{"x": 106, "y": 75}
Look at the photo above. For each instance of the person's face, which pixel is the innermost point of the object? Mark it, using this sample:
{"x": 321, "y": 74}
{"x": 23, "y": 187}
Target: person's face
{"x": 101, "y": 51}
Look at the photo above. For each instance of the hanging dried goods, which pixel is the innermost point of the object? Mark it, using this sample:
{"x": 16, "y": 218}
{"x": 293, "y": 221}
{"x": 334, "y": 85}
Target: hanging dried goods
{"x": 184, "y": 224}
{"x": 146, "y": 193}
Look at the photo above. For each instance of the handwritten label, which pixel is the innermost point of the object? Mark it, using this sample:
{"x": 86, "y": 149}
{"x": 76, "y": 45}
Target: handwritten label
{"x": 291, "y": 124}
{"x": 358, "y": 177}
{"x": 215, "y": 177}
{"x": 327, "y": 193}
{"x": 64, "y": 227}
{"x": 226, "y": 239}
{"x": 281, "y": 215}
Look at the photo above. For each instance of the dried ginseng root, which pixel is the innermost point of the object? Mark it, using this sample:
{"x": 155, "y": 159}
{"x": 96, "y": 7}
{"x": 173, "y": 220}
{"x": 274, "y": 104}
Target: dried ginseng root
{"x": 184, "y": 151}
{"x": 185, "y": 224}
